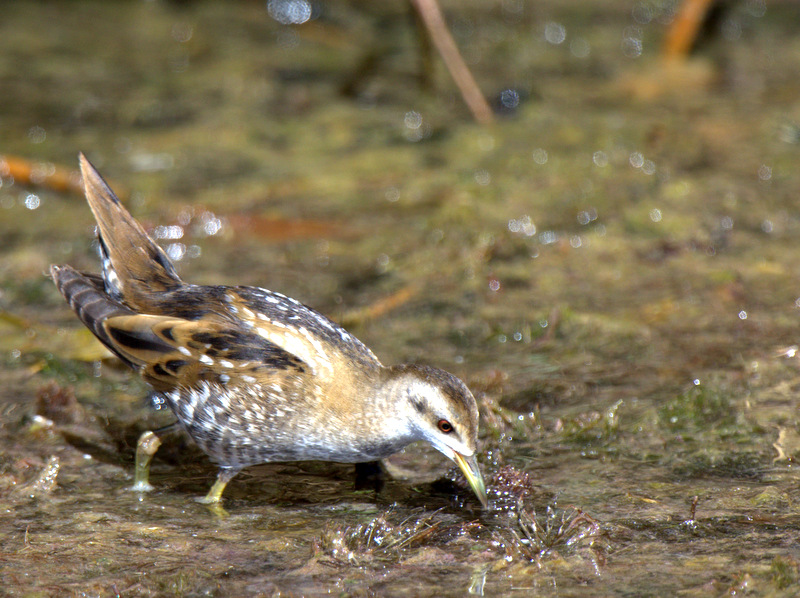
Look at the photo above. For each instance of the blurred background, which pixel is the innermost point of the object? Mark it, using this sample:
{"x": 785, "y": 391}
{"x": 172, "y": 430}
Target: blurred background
{"x": 599, "y": 233}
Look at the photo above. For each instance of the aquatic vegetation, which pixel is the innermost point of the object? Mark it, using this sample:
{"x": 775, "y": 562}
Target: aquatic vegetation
{"x": 785, "y": 572}
{"x": 380, "y": 539}
{"x": 536, "y": 533}
{"x": 58, "y": 404}
{"x": 592, "y": 427}
{"x": 701, "y": 407}
{"x": 504, "y": 424}
{"x": 554, "y": 533}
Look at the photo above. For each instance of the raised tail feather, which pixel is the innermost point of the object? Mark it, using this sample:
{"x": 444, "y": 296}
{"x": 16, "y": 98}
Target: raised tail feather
{"x": 134, "y": 266}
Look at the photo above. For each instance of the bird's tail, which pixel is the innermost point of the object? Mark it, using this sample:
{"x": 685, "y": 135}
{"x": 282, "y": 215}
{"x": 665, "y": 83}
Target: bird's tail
{"x": 88, "y": 299}
{"x": 135, "y": 268}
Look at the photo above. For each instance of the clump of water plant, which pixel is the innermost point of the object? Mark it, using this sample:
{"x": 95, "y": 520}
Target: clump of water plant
{"x": 555, "y": 533}
{"x": 380, "y": 539}
{"x": 57, "y": 404}
{"x": 784, "y": 572}
{"x": 701, "y": 407}
{"x": 538, "y": 534}
{"x": 592, "y": 427}
{"x": 509, "y": 486}
{"x": 502, "y": 423}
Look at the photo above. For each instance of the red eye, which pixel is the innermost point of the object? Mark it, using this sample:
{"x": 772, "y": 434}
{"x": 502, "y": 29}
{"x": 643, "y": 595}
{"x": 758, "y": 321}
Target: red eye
{"x": 445, "y": 426}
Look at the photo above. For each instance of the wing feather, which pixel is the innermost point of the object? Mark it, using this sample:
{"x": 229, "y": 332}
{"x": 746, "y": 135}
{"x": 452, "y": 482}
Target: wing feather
{"x": 175, "y": 353}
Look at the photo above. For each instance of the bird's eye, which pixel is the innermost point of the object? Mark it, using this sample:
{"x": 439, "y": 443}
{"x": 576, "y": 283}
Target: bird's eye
{"x": 445, "y": 426}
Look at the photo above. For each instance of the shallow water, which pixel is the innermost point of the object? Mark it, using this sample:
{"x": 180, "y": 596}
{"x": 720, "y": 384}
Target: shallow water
{"x": 611, "y": 267}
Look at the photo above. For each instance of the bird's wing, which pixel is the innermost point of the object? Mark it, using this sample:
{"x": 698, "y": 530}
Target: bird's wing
{"x": 299, "y": 330}
{"x": 175, "y": 353}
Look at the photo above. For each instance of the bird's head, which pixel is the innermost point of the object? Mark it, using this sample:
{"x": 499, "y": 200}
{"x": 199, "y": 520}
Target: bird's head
{"x": 442, "y": 411}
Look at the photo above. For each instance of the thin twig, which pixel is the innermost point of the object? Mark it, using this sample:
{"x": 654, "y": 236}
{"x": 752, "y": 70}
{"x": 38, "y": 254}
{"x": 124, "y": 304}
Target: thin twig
{"x": 432, "y": 17}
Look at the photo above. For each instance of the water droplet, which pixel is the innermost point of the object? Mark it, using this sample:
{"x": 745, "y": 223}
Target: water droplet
{"x": 509, "y": 98}
{"x": 37, "y": 134}
{"x": 523, "y": 225}
{"x": 540, "y": 156}
{"x": 152, "y": 162}
{"x": 632, "y": 42}
{"x": 175, "y": 251}
{"x": 182, "y": 32}
{"x": 392, "y": 194}
{"x": 636, "y": 159}
{"x": 482, "y": 177}
{"x": 642, "y": 12}
{"x": 555, "y": 33}
{"x": 211, "y": 224}
{"x": 513, "y": 9}
{"x": 412, "y": 119}
{"x": 415, "y": 127}
{"x": 586, "y": 216}
{"x": 32, "y": 201}
{"x": 756, "y": 8}
{"x": 547, "y": 237}
{"x": 289, "y": 12}
{"x": 580, "y": 48}
{"x": 168, "y": 232}
{"x": 600, "y": 159}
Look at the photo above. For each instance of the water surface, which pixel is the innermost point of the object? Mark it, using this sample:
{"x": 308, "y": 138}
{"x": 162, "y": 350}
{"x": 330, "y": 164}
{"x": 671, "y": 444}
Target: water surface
{"x": 611, "y": 267}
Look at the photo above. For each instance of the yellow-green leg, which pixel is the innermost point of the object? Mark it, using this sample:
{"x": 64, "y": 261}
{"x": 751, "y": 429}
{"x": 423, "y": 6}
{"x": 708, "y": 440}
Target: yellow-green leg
{"x": 145, "y": 449}
{"x": 225, "y": 475}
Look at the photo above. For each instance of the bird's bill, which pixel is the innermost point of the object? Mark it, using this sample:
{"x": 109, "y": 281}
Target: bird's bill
{"x": 469, "y": 467}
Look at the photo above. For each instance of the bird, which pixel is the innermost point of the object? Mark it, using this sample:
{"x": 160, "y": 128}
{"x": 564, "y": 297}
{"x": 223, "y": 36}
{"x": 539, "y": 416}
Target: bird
{"x": 252, "y": 375}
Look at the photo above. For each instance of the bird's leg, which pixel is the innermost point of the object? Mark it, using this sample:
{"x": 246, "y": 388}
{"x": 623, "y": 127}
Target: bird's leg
{"x": 369, "y": 476}
{"x": 225, "y": 475}
{"x": 146, "y": 448}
